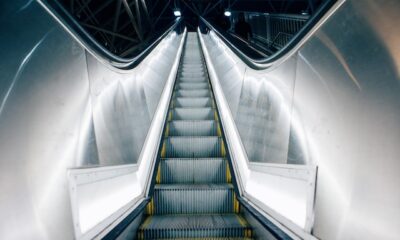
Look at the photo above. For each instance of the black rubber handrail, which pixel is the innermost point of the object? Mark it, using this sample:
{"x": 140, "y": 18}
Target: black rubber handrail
{"x": 73, "y": 26}
{"x": 264, "y": 63}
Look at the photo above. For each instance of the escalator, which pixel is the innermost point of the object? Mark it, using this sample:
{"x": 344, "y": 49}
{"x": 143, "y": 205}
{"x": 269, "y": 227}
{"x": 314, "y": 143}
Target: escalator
{"x": 193, "y": 194}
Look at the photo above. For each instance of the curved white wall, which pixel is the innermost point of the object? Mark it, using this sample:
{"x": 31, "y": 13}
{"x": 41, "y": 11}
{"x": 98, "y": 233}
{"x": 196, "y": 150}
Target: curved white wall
{"x": 334, "y": 103}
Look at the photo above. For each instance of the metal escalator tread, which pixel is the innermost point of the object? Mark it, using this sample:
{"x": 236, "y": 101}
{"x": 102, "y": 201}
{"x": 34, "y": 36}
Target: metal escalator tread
{"x": 194, "y": 226}
{"x": 192, "y": 93}
{"x": 193, "y": 128}
{"x": 193, "y": 86}
{"x": 192, "y": 79}
{"x": 206, "y": 113}
{"x": 193, "y": 196}
{"x": 212, "y": 238}
{"x": 199, "y": 102}
{"x": 193, "y": 170}
{"x": 195, "y": 147}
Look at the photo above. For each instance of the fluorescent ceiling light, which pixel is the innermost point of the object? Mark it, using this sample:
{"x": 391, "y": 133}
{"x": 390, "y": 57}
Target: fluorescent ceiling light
{"x": 304, "y": 12}
{"x": 177, "y": 13}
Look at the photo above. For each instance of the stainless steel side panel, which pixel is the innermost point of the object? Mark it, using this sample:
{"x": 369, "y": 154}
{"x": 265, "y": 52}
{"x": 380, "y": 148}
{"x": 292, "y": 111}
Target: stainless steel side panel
{"x": 260, "y": 102}
{"x": 342, "y": 94}
{"x": 61, "y": 108}
{"x": 124, "y": 103}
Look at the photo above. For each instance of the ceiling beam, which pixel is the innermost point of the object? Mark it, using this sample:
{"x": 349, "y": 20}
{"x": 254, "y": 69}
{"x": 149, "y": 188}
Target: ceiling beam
{"x": 132, "y": 19}
{"x": 101, "y": 8}
{"x": 110, "y": 32}
{"x": 212, "y": 8}
{"x": 146, "y": 12}
{"x": 138, "y": 16}
{"x": 162, "y": 12}
{"x": 116, "y": 19}
{"x": 91, "y": 17}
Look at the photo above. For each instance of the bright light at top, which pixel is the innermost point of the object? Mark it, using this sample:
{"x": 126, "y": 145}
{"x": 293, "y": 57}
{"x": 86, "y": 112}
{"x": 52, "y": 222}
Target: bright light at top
{"x": 227, "y": 13}
{"x": 177, "y": 13}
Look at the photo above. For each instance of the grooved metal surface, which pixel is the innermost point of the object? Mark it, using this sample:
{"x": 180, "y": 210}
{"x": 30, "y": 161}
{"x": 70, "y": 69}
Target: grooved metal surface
{"x": 193, "y": 79}
{"x": 193, "y": 170}
{"x": 195, "y": 147}
{"x": 198, "y": 226}
{"x": 192, "y": 86}
{"x": 200, "y": 102}
{"x": 193, "y": 128}
{"x": 192, "y": 93}
{"x": 193, "y": 199}
{"x": 212, "y": 238}
{"x": 190, "y": 74}
{"x": 193, "y": 196}
{"x": 193, "y": 114}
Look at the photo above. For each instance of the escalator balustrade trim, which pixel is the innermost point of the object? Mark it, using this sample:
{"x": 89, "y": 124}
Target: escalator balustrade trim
{"x": 193, "y": 196}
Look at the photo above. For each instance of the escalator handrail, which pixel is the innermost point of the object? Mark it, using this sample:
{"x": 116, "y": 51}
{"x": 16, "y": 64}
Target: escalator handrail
{"x": 73, "y": 27}
{"x": 264, "y": 63}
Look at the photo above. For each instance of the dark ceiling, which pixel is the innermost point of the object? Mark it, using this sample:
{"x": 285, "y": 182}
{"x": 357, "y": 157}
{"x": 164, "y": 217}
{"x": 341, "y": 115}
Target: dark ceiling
{"x": 126, "y": 26}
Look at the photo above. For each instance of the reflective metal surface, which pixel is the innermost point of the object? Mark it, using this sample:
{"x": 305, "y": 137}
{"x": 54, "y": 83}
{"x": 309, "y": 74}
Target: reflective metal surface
{"x": 260, "y": 103}
{"x": 60, "y": 108}
{"x": 334, "y": 103}
{"x": 46, "y": 123}
{"x": 124, "y": 103}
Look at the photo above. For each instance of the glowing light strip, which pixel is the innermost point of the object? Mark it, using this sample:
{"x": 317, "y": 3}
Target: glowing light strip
{"x": 148, "y": 155}
{"x": 231, "y": 132}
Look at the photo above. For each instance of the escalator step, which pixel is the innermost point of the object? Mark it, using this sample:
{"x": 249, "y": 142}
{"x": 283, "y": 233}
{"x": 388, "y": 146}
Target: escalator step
{"x": 192, "y": 114}
{"x": 192, "y": 86}
{"x": 193, "y": 128}
{"x": 193, "y": 198}
{"x": 192, "y": 65}
{"x": 193, "y": 93}
{"x": 194, "y": 147}
{"x": 192, "y": 60}
{"x": 193, "y": 102}
{"x": 195, "y": 226}
{"x": 198, "y": 68}
{"x": 193, "y": 79}
{"x": 193, "y": 170}
{"x": 189, "y": 66}
{"x": 191, "y": 74}
{"x": 212, "y": 238}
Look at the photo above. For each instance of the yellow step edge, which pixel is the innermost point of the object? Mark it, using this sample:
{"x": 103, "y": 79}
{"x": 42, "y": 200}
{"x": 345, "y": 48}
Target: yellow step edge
{"x": 166, "y": 130}
{"x": 242, "y": 221}
{"x": 164, "y": 150}
{"x": 223, "y": 150}
{"x": 170, "y": 115}
{"x": 236, "y": 204}
{"x": 158, "y": 176}
{"x": 215, "y": 115}
{"x": 219, "y": 133}
{"x": 228, "y": 173}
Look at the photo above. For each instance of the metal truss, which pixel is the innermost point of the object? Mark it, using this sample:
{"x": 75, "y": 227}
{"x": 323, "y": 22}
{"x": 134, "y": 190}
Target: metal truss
{"x": 124, "y": 26}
